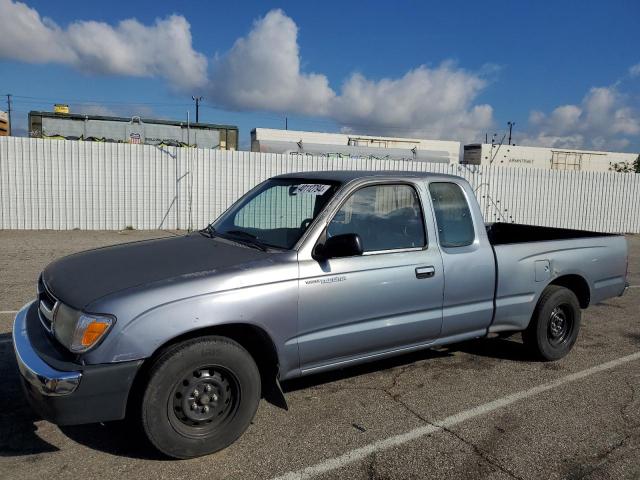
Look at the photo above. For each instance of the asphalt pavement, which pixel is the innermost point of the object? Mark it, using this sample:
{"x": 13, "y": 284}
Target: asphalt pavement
{"x": 479, "y": 409}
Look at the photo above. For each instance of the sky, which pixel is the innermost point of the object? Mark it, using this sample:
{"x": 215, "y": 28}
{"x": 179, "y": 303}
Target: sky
{"x": 567, "y": 73}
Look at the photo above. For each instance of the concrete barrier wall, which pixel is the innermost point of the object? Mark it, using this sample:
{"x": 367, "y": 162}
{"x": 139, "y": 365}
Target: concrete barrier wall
{"x": 62, "y": 185}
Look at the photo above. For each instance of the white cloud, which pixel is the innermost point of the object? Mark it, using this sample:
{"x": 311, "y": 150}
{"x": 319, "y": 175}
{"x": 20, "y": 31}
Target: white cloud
{"x": 262, "y": 71}
{"x": 130, "y": 48}
{"x": 603, "y": 120}
{"x": 434, "y": 102}
{"x": 634, "y": 70}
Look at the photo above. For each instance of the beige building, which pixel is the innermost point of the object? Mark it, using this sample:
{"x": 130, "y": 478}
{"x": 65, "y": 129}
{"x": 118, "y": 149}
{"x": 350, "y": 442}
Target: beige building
{"x": 542, "y": 157}
{"x": 4, "y": 124}
{"x": 294, "y": 142}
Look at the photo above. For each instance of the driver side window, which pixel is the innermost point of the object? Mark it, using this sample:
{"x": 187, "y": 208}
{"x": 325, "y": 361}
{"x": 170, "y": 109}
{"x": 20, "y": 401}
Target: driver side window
{"x": 386, "y": 217}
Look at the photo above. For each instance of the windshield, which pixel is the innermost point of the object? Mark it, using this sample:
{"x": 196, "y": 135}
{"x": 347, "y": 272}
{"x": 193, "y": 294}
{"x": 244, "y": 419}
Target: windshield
{"x": 277, "y": 212}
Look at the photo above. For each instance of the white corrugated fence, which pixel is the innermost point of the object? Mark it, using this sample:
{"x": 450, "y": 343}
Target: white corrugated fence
{"x": 62, "y": 185}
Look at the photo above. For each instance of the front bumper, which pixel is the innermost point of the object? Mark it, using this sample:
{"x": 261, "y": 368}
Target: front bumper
{"x": 62, "y": 390}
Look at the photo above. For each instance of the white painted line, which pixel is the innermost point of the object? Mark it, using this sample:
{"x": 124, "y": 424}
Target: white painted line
{"x": 8, "y": 311}
{"x": 386, "y": 443}
{"x": 634, "y": 286}
{"x": 5, "y": 340}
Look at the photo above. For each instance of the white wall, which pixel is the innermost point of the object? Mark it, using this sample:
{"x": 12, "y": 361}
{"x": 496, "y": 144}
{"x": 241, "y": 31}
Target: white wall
{"x": 60, "y": 184}
{"x": 541, "y": 157}
{"x": 266, "y": 135}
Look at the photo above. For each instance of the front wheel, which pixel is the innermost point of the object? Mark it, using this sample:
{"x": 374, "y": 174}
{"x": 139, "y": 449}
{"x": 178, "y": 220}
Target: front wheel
{"x": 555, "y": 324}
{"x": 201, "y": 396}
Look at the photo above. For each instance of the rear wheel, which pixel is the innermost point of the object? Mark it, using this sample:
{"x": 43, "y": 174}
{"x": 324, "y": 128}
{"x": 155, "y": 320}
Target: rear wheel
{"x": 555, "y": 324}
{"x": 201, "y": 396}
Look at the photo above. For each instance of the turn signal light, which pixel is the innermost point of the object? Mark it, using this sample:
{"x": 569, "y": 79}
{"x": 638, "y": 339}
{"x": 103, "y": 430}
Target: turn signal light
{"x": 93, "y": 332}
{"x": 89, "y": 330}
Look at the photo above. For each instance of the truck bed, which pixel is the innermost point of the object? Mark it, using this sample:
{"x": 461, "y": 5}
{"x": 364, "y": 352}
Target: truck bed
{"x": 509, "y": 233}
{"x": 528, "y": 258}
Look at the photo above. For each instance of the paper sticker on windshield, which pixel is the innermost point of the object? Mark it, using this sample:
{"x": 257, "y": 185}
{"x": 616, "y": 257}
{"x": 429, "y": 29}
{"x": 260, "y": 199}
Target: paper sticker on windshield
{"x": 312, "y": 188}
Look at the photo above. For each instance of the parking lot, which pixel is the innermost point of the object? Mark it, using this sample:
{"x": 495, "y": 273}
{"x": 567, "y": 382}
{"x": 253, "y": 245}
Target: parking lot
{"x": 480, "y": 409}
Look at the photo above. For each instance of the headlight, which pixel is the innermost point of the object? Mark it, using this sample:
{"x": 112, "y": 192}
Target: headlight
{"x": 79, "y": 331}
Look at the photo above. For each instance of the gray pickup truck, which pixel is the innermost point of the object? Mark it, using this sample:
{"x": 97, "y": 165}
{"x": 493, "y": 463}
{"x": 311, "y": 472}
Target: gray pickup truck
{"x": 305, "y": 273}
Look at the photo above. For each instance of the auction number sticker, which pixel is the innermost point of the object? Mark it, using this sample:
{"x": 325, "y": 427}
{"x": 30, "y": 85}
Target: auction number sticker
{"x": 312, "y": 188}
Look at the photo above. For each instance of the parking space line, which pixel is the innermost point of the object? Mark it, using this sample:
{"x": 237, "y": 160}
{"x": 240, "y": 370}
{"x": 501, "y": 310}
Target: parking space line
{"x": 390, "y": 442}
{"x": 8, "y": 311}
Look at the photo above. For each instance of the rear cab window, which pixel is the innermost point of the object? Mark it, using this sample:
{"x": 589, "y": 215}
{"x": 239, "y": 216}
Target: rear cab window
{"x": 453, "y": 216}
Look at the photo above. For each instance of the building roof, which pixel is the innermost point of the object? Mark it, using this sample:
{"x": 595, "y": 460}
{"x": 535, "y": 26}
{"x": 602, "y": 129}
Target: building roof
{"x": 344, "y": 176}
{"x": 177, "y": 123}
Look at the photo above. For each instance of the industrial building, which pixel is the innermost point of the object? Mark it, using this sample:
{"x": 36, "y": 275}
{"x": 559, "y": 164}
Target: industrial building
{"x": 294, "y": 142}
{"x": 4, "y": 124}
{"x": 64, "y": 125}
{"x": 543, "y": 157}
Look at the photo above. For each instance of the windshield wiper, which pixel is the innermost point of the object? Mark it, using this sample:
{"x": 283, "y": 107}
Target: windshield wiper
{"x": 245, "y": 238}
{"x": 208, "y": 231}
{"x": 242, "y": 232}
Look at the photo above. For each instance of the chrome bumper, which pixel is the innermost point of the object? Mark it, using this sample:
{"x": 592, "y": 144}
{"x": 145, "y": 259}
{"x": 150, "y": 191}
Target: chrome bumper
{"x": 41, "y": 376}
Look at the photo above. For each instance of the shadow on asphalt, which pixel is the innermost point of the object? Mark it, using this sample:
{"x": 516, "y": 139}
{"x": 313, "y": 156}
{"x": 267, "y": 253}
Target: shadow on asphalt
{"x": 499, "y": 348}
{"x": 17, "y": 428}
{"x": 18, "y": 433}
{"x": 363, "y": 369}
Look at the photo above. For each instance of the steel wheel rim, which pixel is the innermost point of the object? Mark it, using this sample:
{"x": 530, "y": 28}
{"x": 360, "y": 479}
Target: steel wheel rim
{"x": 560, "y": 326}
{"x": 203, "y": 400}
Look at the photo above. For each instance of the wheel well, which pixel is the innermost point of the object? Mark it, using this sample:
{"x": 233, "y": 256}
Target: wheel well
{"x": 577, "y": 285}
{"x": 255, "y": 340}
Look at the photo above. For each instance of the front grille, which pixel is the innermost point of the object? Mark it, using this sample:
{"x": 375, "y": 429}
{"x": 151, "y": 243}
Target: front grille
{"x": 47, "y": 305}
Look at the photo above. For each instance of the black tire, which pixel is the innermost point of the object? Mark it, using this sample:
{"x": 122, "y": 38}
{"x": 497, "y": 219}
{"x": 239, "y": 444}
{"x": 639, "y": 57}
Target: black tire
{"x": 200, "y": 397}
{"x": 555, "y": 324}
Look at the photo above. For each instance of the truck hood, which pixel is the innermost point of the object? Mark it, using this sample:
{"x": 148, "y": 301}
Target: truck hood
{"x": 81, "y": 278}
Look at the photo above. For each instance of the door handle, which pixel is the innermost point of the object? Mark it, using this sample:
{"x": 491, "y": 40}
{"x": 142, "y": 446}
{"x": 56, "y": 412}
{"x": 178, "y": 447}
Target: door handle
{"x": 425, "y": 272}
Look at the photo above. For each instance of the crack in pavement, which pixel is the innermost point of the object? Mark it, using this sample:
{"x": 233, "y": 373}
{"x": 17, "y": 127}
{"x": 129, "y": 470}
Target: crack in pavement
{"x": 395, "y": 397}
{"x": 476, "y": 449}
{"x": 632, "y": 431}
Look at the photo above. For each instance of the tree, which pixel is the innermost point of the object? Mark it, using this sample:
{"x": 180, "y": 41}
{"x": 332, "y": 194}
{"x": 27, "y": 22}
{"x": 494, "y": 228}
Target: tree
{"x": 624, "y": 167}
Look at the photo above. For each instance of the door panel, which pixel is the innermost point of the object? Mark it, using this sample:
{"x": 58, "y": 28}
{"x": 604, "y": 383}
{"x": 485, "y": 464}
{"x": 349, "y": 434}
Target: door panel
{"x": 388, "y": 298}
{"x": 351, "y": 307}
{"x": 468, "y": 259}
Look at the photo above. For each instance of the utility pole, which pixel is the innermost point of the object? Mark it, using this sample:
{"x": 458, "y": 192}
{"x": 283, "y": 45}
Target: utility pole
{"x": 197, "y": 100}
{"x": 9, "y": 111}
{"x": 511, "y": 124}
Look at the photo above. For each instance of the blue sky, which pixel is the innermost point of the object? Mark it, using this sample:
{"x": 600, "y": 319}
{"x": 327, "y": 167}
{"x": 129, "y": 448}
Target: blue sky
{"x": 563, "y": 71}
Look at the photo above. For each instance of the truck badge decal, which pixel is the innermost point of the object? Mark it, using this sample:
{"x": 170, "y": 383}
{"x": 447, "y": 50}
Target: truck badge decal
{"x": 340, "y": 278}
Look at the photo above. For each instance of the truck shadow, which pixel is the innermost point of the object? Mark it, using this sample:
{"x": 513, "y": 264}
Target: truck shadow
{"x": 18, "y": 431}
{"x": 510, "y": 349}
{"x": 319, "y": 379}
{"x": 17, "y": 421}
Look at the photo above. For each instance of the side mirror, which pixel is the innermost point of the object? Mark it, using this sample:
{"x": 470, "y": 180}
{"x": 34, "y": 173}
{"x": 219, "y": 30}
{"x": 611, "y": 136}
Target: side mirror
{"x": 346, "y": 245}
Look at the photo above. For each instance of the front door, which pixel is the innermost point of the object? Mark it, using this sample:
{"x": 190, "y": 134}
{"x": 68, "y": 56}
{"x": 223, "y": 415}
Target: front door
{"x": 386, "y": 299}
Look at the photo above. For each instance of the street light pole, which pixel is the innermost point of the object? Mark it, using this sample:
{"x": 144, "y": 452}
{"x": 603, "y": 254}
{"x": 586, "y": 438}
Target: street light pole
{"x": 9, "y": 112}
{"x": 511, "y": 124}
